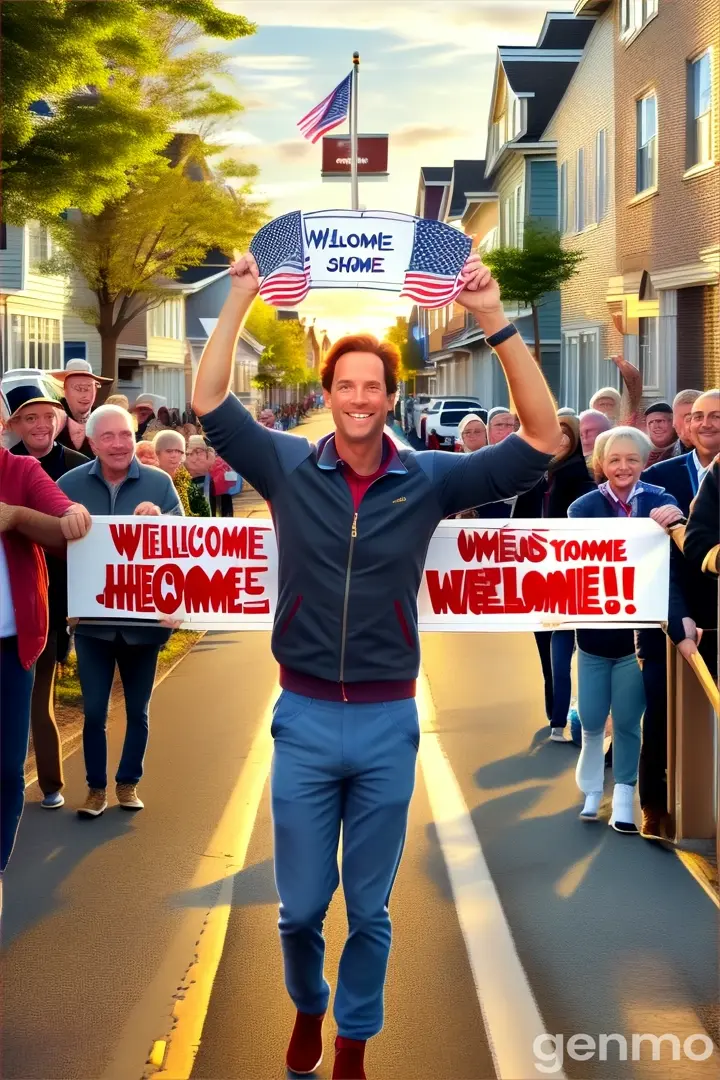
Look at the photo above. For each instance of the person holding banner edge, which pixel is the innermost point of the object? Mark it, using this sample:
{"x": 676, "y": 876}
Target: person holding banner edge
{"x": 354, "y": 516}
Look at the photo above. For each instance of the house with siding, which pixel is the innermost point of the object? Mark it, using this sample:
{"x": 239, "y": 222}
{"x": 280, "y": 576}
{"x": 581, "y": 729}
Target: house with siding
{"x": 203, "y": 302}
{"x": 583, "y": 131}
{"x": 667, "y": 188}
{"x": 32, "y": 305}
{"x": 457, "y": 360}
{"x": 529, "y": 85}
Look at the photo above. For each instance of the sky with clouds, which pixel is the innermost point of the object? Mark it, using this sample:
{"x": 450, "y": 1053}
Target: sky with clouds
{"x": 426, "y": 74}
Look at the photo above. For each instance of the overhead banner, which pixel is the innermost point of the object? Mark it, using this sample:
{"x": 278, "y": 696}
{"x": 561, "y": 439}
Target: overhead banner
{"x": 359, "y": 249}
{"x": 479, "y": 575}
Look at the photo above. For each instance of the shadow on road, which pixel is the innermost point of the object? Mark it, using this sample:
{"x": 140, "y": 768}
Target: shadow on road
{"x": 52, "y": 851}
{"x": 252, "y": 886}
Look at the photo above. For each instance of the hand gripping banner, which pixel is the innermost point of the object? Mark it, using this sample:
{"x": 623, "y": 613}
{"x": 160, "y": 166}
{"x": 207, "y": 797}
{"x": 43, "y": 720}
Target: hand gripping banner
{"x": 483, "y": 576}
{"x": 359, "y": 249}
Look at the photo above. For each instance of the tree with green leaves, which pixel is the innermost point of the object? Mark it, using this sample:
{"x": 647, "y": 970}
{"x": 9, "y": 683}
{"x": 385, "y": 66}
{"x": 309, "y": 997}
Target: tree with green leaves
{"x": 410, "y": 353}
{"x": 130, "y": 252}
{"x": 283, "y": 362}
{"x": 526, "y": 274}
{"x": 115, "y": 75}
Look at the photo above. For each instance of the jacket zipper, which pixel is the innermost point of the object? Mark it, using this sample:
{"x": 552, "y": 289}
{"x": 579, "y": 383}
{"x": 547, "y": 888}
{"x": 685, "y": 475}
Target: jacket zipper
{"x": 343, "y": 640}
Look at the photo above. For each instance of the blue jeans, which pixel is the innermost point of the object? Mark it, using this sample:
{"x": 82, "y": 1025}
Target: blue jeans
{"x": 16, "y": 686}
{"x": 137, "y": 665}
{"x": 352, "y": 766}
{"x": 604, "y": 685}
{"x": 556, "y": 650}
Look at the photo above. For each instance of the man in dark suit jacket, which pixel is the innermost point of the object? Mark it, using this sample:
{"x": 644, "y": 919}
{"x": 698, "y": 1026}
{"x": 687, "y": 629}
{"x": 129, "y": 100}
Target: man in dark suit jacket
{"x": 702, "y": 536}
{"x": 681, "y": 477}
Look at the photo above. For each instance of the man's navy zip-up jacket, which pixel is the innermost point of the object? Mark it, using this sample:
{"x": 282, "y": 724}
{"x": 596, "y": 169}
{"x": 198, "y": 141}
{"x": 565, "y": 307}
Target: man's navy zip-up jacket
{"x": 348, "y": 582}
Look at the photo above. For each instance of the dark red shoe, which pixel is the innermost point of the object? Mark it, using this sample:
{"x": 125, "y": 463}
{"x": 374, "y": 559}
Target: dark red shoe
{"x": 305, "y": 1051}
{"x": 349, "y": 1054}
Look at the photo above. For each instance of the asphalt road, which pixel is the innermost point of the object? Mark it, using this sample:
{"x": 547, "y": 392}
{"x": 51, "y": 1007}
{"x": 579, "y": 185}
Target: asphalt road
{"x": 102, "y": 919}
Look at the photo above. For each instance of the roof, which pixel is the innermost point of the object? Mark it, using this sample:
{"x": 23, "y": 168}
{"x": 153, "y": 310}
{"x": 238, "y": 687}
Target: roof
{"x": 548, "y": 82}
{"x": 468, "y": 177}
{"x": 562, "y": 30}
{"x": 436, "y": 174}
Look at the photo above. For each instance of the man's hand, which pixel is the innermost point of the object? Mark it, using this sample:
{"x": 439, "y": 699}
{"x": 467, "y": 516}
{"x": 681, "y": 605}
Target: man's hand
{"x": 245, "y": 276}
{"x": 170, "y": 624}
{"x": 689, "y": 644}
{"x": 75, "y": 522}
{"x": 8, "y": 517}
{"x": 148, "y": 509}
{"x": 481, "y": 295}
{"x": 666, "y": 516}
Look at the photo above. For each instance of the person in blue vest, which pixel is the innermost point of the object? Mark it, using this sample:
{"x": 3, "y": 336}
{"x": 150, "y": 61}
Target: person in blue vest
{"x": 681, "y": 477}
{"x": 609, "y": 676}
{"x": 354, "y": 516}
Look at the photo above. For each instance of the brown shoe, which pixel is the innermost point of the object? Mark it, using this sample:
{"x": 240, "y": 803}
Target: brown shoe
{"x": 95, "y": 803}
{"x": 127, "y": 797}
{"x": 657, "y": 825}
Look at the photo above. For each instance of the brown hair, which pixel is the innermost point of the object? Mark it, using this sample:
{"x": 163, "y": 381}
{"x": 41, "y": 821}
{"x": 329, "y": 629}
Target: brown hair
{"x": 388, "y": 353}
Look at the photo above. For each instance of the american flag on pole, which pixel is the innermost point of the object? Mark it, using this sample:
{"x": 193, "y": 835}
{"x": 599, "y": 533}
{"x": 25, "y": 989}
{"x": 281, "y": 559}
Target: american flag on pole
{"x": 438, "y": 255}
{"x": 331, "y": 112}
{"x": 284, "y": 267}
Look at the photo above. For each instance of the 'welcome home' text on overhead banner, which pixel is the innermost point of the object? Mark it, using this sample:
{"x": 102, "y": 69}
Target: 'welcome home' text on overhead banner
{"x": 479, "y": 576}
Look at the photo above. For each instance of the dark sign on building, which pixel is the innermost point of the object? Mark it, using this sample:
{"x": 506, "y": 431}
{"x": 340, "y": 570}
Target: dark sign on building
{"x": 372, "y": 157}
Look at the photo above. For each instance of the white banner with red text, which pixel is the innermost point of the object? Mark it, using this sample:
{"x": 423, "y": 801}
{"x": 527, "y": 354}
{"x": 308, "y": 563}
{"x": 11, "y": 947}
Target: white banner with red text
{"x": 479, "y": 575}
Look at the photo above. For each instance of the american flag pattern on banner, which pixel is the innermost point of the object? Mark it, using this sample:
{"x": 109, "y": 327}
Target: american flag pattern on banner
{"x": 438, "y": 255}
{"x": 284, "y": 267}
{"x": 331, "y": 112}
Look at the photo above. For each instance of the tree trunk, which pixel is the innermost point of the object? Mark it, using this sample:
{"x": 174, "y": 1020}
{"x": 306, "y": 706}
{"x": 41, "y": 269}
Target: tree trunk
{"x": 109, "y": 334}
{"x": 108, "y": 352}
{"x": 536, "y": 333}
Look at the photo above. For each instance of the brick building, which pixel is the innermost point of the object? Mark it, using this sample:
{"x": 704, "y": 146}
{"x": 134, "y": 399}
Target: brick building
{"x": 667, "y": 188}
{"x": 583, "y": 129}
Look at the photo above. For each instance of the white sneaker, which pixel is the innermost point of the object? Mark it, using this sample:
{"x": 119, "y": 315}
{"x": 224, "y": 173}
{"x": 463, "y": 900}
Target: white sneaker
{"x": 622, "y": 818}
{"x": 591, "y": 808}
{"x": 557, "y": 734}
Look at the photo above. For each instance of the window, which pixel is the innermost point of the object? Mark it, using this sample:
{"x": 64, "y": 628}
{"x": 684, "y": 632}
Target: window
{"x": 166, "y": 320}
{"x": 34, "y": 342}
{"x": 700, "y": 111}
{"x": 634, "y": 14}
{"x": 3, "y": 236}
{"x": 646, "y": 144}
{"x": 509, "y": 223}
{"x": 601, "y": 186}
{"x": 39, "y": 245}
{"x": 580, "y": 191}
{"x": 517, "y": 117}
{"x": 563, "y": 198}
{"x": 648, "y": 349}
{"x": 519, "y": 215}
{"x": 74, "y": 350}
{"x": 582, "y": 370}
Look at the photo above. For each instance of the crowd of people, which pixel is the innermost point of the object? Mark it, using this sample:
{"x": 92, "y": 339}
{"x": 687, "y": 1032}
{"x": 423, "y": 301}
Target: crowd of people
{"x": 619, "y": 460}
{"x": 111, "y": 458}
{"x": 348, "y": 672}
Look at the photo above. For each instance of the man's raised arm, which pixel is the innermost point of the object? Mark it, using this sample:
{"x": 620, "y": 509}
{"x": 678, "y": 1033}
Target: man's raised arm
{"x": 214, "y": 376}
{"x": 529, "y": 391}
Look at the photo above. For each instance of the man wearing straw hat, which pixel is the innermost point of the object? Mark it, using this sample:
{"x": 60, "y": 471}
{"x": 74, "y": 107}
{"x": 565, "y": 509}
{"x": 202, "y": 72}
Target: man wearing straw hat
{"x": 80, "y": 386}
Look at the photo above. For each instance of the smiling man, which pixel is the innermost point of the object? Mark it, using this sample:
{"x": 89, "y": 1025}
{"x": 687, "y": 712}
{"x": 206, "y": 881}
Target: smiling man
{"x": 117, "y": 484}
{"x": 80, "y": 386}
{"x": 354, "y": 517}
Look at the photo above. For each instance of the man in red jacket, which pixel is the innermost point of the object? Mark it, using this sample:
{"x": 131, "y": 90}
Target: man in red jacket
{"x": 34, "y": 513}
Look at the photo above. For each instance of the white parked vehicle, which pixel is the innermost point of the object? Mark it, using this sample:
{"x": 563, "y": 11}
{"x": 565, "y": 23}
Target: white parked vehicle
{"x": 420, "y": 403}
{"x": 444, "y": 424}
{"x": 435, "y": 407}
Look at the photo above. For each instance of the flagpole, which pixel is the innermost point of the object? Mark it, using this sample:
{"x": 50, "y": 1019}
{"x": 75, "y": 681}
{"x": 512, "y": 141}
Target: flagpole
{"x": 354, "y": 194}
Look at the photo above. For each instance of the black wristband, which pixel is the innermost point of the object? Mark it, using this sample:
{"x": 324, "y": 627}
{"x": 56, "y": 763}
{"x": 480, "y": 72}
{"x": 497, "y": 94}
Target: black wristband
{"x": 502, "y": 335}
